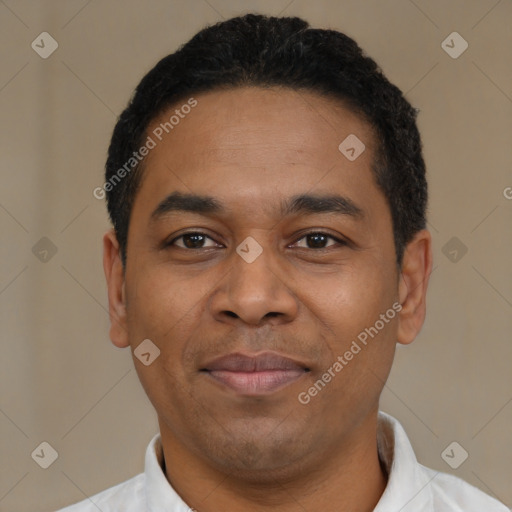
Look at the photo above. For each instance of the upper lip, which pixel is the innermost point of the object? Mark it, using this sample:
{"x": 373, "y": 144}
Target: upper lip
{"x": 238, "y": 362}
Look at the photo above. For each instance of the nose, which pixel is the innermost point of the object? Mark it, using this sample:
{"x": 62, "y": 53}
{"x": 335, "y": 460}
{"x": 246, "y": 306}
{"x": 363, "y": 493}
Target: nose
{"x": 255, "y": 292}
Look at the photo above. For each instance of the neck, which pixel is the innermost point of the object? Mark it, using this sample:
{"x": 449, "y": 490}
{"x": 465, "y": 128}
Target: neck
{"x": 349, "y": 477}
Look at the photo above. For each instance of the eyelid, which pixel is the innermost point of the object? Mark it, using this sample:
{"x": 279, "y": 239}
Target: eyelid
{"x": 338, "y": 239}
{"x": 171, "y": 243}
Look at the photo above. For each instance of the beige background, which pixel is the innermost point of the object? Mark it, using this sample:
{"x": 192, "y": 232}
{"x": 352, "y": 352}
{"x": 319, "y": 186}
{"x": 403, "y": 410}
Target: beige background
{"x": 61, "y": 379}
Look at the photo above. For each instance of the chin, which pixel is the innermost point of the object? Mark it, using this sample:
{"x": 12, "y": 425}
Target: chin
{"x": 258, "y": 450}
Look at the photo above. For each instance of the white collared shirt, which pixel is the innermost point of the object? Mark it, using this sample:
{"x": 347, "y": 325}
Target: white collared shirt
{"x": 411, "y": 487}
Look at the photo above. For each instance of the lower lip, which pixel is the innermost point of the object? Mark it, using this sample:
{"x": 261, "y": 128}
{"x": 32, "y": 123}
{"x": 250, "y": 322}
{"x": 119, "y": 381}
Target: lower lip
{"x": 255, "y": 383}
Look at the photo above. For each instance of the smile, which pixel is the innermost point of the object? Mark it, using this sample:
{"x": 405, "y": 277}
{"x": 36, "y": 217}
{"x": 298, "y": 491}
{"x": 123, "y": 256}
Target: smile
{"x": 255, "y": 375}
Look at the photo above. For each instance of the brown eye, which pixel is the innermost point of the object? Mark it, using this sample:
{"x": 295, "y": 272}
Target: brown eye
{"x": 192, "y": 240}
{"x": 318, "y": 240}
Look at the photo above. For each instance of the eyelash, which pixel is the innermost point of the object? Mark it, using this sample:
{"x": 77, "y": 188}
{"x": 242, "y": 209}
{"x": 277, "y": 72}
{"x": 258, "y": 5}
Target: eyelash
{"x": 337, "y": 240}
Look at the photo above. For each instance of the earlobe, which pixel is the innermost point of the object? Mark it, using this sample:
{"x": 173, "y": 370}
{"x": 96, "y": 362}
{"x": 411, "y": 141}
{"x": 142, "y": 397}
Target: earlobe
{"x": 114, "y": 274}
{"x": 412, "y": 287}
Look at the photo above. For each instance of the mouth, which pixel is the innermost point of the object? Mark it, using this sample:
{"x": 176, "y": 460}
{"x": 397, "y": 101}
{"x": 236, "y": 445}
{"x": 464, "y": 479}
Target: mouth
{"x": 257, "y": 374}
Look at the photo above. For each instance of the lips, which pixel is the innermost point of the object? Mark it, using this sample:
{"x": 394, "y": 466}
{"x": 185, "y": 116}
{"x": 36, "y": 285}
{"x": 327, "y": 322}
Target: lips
{"x": 253, "y": 375}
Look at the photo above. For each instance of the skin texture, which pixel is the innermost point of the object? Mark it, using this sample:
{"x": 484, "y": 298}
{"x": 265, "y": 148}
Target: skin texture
{"x": 252, "y": 148}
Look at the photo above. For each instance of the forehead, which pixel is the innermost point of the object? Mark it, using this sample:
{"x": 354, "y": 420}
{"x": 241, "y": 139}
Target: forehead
{"x": 251, "y": 145}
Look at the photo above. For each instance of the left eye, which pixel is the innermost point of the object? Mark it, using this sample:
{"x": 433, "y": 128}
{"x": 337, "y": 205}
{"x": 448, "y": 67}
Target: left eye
{"x": 194, "y": 240}
{"x": 318, "y": 239}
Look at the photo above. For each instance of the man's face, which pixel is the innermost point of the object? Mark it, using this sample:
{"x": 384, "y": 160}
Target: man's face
{"x": 306, "y": 298}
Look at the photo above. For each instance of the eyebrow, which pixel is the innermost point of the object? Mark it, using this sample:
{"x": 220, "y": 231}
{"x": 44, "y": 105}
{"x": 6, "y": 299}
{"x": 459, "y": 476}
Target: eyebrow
{"x": 299, "y": 204}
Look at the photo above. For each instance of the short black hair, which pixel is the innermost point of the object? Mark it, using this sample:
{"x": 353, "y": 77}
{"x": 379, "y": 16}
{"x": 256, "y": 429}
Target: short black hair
{"x": 265, "y": 51}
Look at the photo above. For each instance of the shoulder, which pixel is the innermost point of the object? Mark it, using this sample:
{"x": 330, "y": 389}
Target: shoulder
{"x": 452, "y": 494}
{"x": 127, "y": 496}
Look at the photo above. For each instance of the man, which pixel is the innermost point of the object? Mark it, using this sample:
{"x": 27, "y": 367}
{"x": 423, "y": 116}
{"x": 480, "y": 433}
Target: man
{"x": 268, "y": 195}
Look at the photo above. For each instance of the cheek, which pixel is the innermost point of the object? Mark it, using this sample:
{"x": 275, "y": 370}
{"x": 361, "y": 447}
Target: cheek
{"x": 349, "y": 304}
{"x": 163, "y": 308}
{"x": 350, "y": 299}
{"x": 362, "y": 347}
{"x": 161, "y": 302}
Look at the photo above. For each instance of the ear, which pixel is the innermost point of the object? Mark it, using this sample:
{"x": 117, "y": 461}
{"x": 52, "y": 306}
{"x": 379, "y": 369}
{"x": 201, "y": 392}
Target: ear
{"x": 114, "y": 273}
{"x": 412, "y": 287}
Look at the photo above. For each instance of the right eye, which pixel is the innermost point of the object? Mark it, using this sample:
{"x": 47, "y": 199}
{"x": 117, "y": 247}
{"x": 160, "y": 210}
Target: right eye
{"x": 191, "y": 240}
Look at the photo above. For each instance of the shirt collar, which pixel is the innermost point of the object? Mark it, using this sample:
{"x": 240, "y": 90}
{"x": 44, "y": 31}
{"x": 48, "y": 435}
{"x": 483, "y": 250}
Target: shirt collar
{"x": 407, "y": 489}
{"x": 159, "y": 494}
